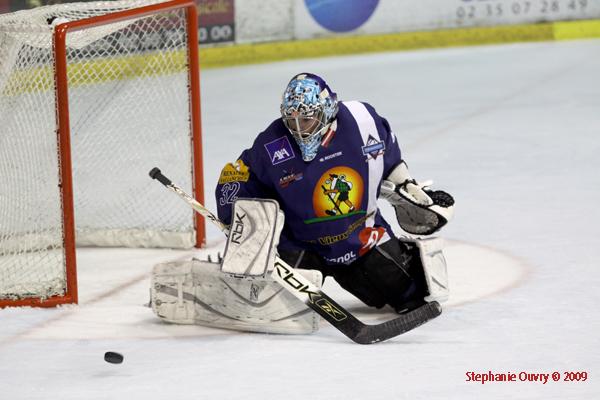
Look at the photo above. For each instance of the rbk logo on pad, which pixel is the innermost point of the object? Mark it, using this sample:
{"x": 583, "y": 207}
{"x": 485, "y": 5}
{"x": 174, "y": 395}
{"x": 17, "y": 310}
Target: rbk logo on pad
{"x": 238, "y": 228}
{"x": 280, "y": 150}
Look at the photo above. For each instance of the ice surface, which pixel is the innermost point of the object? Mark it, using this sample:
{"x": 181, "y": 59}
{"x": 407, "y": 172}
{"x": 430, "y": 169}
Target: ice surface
{"x": 512, "y": 131}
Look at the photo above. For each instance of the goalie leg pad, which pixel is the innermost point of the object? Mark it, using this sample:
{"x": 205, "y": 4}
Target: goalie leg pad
{"x": 197, "y": 292}
{"x": 434, "y": 267}
{"x": 252, "y": 242}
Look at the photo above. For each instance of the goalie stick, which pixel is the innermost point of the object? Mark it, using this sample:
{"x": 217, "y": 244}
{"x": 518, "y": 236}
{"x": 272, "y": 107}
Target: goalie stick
{"x": 315, "y": 298}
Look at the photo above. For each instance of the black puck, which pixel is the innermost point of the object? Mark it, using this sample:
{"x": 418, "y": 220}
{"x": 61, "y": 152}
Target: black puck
{"x": 113, "y": 358}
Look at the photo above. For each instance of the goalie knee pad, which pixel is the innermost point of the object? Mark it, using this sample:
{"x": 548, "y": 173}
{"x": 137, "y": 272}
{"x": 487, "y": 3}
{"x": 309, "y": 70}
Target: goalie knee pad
{"x": 197, "y": 292}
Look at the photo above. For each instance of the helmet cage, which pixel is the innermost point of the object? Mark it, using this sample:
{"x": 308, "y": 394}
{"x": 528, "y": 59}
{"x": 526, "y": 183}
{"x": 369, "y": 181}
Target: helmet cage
{"x": 307, "y": 108}
{"x": 304, "y": 126}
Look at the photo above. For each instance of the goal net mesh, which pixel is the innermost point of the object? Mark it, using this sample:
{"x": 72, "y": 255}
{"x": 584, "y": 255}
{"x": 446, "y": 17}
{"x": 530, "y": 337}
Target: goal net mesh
{"x": 129, "y": 111}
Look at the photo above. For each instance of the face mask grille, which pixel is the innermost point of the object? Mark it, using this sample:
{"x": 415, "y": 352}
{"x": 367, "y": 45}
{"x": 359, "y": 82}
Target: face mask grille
{"x": 302, "y": 127}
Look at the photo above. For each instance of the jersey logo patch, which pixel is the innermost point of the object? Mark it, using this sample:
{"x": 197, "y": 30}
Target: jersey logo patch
{"x": 330, "y": 156}
{"x": 369, "y": 237}
{"x": 280, "y": 150}
{"x": 290, "y": 177}
{"x": 373, "y": 149}
{"x": 345, "y": 259}
{"x": 331, "y": 239}
{"x": 337, "y": 194}
{"x": 234, "y": 172}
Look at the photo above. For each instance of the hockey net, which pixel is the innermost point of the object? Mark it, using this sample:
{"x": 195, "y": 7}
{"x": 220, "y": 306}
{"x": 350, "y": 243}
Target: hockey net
{"x": 78, "y": 138}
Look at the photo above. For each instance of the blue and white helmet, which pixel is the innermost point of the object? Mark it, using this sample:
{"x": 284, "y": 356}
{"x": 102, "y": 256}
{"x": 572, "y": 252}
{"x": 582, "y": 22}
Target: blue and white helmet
{"x": 307, "y": 109}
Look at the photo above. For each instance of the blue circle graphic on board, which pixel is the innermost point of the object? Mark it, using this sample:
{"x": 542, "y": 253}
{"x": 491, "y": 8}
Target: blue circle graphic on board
{"x": 341, "y": 15}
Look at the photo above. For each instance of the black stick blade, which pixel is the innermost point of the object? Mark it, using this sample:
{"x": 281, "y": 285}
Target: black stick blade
{"x": 362, "y": 333}
{"x": 368, "y": 334}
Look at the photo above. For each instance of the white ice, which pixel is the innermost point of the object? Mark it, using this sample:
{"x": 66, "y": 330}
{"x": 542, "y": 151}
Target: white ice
{"x": 512, "y": 131}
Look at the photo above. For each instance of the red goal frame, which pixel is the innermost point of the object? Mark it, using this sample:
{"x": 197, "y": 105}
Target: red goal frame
{"x": 63, "y": 132}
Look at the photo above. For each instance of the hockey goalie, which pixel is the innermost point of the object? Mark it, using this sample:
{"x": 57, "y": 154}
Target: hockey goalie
{"x": 307, "y": 191}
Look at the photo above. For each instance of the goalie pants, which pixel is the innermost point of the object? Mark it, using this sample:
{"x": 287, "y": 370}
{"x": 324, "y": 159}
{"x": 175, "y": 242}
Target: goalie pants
{"x": 390, "y": 274}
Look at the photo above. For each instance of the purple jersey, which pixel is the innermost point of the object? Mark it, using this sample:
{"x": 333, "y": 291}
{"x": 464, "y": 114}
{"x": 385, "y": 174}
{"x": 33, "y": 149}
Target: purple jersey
{"x": 330, "y": 203}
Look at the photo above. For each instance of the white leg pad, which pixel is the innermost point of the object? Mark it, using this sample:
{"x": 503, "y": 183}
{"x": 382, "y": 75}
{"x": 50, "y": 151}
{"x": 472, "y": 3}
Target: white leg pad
{"x": 252, "y": 242}
{"x": 197, "y": 292}
{"x": 434, "y": 267}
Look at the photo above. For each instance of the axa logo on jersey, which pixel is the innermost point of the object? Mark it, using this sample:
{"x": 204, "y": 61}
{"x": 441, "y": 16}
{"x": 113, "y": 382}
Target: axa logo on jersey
{"x": 280, "y": 155}
{"x": 280, "y": 150}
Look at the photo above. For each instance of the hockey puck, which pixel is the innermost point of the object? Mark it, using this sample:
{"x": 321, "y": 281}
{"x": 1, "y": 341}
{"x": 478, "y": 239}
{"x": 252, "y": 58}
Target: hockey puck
{"x": 113, "y": 358}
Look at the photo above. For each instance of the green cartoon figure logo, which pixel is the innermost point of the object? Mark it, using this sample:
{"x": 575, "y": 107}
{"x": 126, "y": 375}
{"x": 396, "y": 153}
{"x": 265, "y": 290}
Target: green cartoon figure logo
{"x": 338, "y": 194}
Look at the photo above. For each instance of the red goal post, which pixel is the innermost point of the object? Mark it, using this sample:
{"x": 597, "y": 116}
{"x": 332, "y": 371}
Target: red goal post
{"x": 33, "y": 258}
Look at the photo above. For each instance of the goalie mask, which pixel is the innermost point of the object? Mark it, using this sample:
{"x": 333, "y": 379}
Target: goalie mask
{"x": 307, "y": 109}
